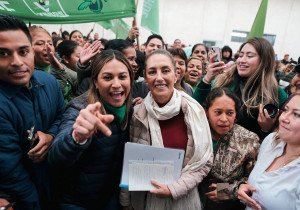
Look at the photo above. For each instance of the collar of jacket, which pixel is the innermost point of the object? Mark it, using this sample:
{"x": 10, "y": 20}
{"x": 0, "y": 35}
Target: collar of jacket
{"x": 226, "y": 138}
{"x": 141, "y": 114}
{"x": 10, "y": 90}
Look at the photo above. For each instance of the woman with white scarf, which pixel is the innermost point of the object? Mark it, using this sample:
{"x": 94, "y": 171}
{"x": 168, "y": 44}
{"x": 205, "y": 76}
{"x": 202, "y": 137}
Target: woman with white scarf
{"x": 170, "y": 118}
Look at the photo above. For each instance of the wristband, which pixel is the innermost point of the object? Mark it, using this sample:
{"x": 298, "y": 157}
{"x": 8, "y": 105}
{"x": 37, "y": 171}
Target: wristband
{"x": 205, "y": 81}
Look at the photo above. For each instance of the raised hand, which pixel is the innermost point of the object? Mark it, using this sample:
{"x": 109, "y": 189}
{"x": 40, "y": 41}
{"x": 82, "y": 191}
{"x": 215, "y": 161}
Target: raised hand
{"x": 53, "y": 59}
{"x": 89, "y": 51}
{"x": 134, "y": 33}
{"x": 89, "y": 121}
{"x": 214, "y": 68}
{"x": 264, "y": 120}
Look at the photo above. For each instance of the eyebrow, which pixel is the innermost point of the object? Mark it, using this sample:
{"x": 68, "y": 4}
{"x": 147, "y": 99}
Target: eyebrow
{"x": 22, "y": 47}
{"x": 286, "y": 106}
{"x": 123, "y": 72}
{"x": 166, "y": 67}
{"x": 248, "y": 53}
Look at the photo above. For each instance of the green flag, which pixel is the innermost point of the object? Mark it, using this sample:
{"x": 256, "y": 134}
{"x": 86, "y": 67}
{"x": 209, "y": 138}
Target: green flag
{"x": 107, "y": 24}
{"x": 150, "y": 16}
{"x": 118, "y": 26}
{"x": 258, "y": 26}
{"x": 68, "y": 11}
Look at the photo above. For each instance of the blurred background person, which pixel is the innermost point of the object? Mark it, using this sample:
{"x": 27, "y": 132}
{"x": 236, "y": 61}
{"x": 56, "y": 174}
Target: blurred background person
{"x": 96, "y": 36}
{"x": 180, "y": 64}
{"x": 177, "y": 43}
{"x": 201, "y": 51}
{"x": 285, "y": 59}
{"x": 77, "y": 37}
{"x": 154, "y": 42}
{"x": 65, "y": 35}
{"x": 226, "y": 54}
{"x": 194, "y": 71}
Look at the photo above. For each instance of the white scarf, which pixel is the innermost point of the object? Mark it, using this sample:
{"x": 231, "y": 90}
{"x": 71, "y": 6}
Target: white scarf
{"x": 197, "y": 120}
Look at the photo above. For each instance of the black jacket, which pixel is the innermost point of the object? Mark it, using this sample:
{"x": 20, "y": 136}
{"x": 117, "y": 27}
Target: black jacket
{"x": 89, "y": 174}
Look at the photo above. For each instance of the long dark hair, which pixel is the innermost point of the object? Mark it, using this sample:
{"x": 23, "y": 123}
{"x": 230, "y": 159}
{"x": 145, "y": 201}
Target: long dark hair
{"x": 99, "y": 61}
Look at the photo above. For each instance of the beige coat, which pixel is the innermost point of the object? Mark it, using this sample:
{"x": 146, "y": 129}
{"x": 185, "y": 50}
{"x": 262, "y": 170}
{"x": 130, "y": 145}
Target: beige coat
{"x": 184, "y": 190}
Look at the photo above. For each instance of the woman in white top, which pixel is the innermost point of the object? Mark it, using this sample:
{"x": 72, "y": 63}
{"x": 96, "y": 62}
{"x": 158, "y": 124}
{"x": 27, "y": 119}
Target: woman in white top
{"x": 275, "y": 181}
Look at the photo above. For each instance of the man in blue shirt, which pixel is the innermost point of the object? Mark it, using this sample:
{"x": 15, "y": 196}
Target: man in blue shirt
{"x": 31, "y": 105}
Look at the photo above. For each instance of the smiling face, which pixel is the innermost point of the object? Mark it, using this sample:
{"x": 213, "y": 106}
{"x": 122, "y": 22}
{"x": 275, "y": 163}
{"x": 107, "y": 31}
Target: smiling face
{"x": 77, "y": 37}
{"x": 194, "y": 71}
{"x": 221, "y": 116}
{"x": 113, "y": 83}
{"x": 248, "y": 61}
{"x": 289, "y": 122}
{"x": 16, "y": 58}
{"x": 40, "y": 40}
{"x": 180, "y": 68}
{"x": 160, "y": 77}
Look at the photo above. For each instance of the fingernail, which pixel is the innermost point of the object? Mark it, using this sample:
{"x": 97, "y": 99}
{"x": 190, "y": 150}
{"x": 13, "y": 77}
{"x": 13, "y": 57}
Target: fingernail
{"x": 108, "y": 133}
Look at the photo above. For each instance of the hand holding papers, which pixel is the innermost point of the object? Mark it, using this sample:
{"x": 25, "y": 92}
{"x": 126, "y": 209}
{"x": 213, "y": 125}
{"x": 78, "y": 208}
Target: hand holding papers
{"x": 142, "y": 172}
{"x": 143, "y": 163}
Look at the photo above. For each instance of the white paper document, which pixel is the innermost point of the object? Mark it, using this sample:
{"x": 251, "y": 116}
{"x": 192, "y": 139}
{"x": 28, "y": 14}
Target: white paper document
{"x": 143, "y": 163}
{"x": 141, "y": 172}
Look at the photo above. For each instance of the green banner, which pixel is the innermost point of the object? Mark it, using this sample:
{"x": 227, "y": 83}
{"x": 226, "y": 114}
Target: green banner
{"x": 257, "y": 29}
{"x": 68, "y": 11}
{"x": 107, "y": 24}
{"x": 150, "y": 16}
{"x": 118, "y": 26}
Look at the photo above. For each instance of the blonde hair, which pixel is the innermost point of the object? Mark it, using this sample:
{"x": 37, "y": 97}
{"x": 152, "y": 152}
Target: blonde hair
{"x": 261, "y": 87}
{"x": 36, "y": 29}
{"x": 196, "y": 58}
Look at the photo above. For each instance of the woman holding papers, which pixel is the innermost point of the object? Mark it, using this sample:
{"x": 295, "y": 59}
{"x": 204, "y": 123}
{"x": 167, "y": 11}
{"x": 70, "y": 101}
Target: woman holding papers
{"x": 171, "y": 118}
{"x": 235, "y": 150}
{"x": 86, "y": 154}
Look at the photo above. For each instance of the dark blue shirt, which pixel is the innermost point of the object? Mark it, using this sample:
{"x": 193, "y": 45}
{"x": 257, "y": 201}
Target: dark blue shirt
{"x": 41, "y": 105}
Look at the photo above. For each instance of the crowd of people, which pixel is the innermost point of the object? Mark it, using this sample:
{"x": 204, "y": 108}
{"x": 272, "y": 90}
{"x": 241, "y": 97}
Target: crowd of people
{"x": 69, "y": 103}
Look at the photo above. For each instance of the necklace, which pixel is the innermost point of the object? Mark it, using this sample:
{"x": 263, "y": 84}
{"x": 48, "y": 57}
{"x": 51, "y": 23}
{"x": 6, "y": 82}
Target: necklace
{"x": 287, "y": 160}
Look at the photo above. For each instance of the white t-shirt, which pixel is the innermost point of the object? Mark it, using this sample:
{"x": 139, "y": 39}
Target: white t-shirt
{"x": 278, "y": 189}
